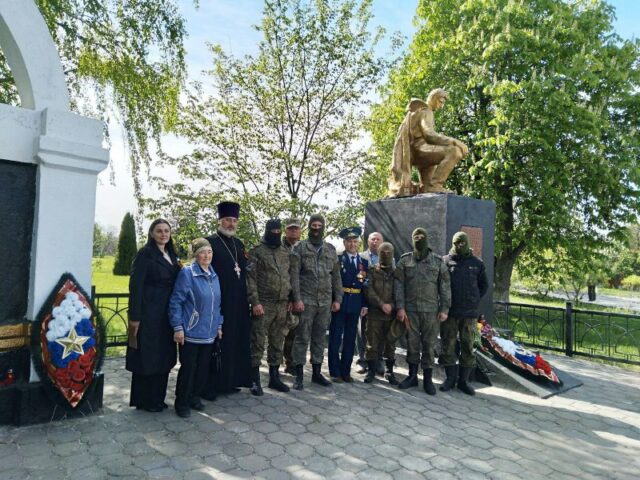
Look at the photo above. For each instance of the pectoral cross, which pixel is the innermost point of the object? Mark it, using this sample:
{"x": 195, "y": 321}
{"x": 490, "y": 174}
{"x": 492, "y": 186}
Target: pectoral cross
{"x": 237, "y": 269}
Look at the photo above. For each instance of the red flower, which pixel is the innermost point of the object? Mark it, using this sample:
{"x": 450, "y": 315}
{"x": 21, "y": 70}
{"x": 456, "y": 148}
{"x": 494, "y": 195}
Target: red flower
{"x": 78, "y": 376}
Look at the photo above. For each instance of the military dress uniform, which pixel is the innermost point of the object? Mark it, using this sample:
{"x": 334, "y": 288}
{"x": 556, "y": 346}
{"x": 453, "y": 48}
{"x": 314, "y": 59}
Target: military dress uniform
{"x": 422, "y": 288}
{"x": 272, "y": 282}
{"x": 344, "y": 323}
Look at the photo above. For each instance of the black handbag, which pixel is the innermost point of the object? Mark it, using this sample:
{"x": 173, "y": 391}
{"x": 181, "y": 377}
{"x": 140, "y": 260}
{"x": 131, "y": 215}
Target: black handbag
{"x": 216, "y": 356}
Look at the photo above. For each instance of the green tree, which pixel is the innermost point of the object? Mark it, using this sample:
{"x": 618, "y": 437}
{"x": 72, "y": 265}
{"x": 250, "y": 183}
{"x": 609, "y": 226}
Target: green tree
{"x": 123, "y": 60}
{"x": 546, "y": 96}
{"x": 280, "y": 133}
{"x": 127, "y": 247}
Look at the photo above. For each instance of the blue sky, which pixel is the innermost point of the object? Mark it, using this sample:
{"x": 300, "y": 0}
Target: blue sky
{"x": 229, "y": 23}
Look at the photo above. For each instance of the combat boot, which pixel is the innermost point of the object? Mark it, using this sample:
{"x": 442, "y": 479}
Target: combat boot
{"x": 412, "y": 379}
{"x": 297, "y": 383}
{"x": 274, "y": 379}
{"x": 256, "y": 388}
{"x": 371, "y": 371}
{"x": 290, "y": 369}
{"x": 427, "y": 382}
{"x": 452, "y": 375}
{"x": 317, "y": 376}
{"x": 463, "y": 381}
{"x": 390, "y": 376}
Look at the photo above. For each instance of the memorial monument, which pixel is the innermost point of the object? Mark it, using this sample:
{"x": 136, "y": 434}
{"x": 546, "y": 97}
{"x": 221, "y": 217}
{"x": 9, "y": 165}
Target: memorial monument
{"x": 49, "y": 161}
{"x": 428, "y": 204}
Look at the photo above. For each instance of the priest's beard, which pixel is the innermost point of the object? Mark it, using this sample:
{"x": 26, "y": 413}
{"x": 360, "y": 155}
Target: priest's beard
{"x": 227, "y": 232}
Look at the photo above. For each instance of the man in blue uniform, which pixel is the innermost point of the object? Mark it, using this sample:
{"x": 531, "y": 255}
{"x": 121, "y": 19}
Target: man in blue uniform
{"x": 344, "y": 323}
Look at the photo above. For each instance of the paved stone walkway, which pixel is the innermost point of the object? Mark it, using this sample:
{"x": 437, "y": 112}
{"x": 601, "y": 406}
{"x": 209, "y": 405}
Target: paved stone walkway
{"x": 347, "y": 431}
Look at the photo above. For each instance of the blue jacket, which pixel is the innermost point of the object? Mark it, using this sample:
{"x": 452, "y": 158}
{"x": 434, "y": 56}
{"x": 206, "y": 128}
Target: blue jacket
{"x": 352, "y": 302}
{"x": 194, "y": 306}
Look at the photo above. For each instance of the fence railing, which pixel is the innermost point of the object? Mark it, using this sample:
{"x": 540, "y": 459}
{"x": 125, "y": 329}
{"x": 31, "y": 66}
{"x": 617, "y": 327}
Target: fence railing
{"x": 113, "y": 307}
{"x": 605, "y": 335}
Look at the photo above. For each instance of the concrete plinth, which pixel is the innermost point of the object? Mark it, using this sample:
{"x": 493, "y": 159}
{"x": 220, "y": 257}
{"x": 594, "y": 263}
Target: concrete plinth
{"x": 442, "y": 215}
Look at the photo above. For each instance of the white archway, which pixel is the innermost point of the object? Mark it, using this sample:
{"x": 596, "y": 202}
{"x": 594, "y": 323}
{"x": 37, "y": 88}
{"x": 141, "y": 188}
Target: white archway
{"x": 32, "y": 56}
{"x": 66, "y": 147}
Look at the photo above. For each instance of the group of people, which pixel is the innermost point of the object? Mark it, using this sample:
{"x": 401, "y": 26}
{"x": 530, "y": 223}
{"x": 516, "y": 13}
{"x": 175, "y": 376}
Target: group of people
{"x": 227, "y": 307}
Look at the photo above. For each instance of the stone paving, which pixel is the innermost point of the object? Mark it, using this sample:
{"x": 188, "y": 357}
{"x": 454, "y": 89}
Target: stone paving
{"x": 347, "y": 431}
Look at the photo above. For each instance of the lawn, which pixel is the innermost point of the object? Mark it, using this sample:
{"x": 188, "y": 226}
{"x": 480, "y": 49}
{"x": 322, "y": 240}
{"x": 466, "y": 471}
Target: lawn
{"x": 103, "y": 278}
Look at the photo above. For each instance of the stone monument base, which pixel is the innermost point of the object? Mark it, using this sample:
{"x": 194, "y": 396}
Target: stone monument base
{"x": 442, "y": 215}
{"x": 29, "y": 403}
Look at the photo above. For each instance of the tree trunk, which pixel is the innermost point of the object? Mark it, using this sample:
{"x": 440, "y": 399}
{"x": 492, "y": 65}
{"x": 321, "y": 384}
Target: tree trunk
{"x": 502, "y": 279}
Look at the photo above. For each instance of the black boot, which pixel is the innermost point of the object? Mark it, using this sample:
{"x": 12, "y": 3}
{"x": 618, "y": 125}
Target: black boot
{"x": 463, "y": 381}
{"x": 290, "y": 369}
{"x": 256, "y": 388}
{"x": 371, "y": 371}
{"x": 297, "y": 383}
{"x": 452, "y": 375}
{"x": 427, "y": 383}
{"x": 379, "y": 368}
{"x": 412, "y": 379}
{"x": 317, "y": 377}
{"x": 274, "y": 379}
{"x": 390, "y": 376}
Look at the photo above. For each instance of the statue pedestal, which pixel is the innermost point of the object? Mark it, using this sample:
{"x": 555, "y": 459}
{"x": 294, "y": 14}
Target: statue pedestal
{"x": 442, "y": 215}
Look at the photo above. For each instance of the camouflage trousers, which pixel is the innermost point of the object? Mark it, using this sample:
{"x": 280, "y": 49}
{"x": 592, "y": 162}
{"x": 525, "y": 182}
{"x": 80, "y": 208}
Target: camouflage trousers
{"x": 311, "y": 332}
{"x": 269, "y": 327}
{"x": 449, "y": 331}
{"x": 377, "y": 333}
{"x": 292, "y": 326}
{"x": 422, "y": 337}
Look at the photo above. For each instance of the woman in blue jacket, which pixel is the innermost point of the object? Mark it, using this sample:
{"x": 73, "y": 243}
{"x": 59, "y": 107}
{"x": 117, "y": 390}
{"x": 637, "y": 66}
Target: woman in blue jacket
{"x": 196, "y": 319}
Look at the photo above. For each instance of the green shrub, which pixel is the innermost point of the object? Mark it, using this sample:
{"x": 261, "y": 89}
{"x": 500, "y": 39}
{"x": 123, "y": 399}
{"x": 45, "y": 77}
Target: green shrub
{"x": 632, "y": 282}
{"x": 127, "y": 247}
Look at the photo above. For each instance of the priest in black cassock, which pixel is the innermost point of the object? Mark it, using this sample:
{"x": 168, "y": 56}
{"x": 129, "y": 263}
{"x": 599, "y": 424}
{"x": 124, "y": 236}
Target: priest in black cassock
{"x": 229, "y": 262}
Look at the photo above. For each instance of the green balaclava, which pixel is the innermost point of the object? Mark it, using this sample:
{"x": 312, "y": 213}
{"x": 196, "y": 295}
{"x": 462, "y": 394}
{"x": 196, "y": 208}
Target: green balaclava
{"x": 460, "y": 249}
{"x": 420, "y": 247}
{"x": 316, "y": 234}
{"x": 385, "y": 254}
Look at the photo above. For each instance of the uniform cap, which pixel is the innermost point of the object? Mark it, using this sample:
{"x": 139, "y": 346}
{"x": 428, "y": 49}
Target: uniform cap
{"x": 350, "y": 232}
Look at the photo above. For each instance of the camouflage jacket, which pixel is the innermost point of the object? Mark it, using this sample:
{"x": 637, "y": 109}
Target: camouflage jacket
{"x": 422, "y": 285}
{"x": 378, "y": 291}
{"x": 271, "y": 275}
{"x": 320, "y": 281}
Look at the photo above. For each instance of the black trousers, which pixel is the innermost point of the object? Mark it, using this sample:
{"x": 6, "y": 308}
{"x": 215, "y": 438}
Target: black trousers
{"x": 195, "y": 362}
{"x": 148, "y": 391}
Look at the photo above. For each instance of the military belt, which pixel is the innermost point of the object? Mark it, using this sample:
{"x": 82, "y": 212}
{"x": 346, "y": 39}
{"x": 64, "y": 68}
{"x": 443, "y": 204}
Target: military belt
{"x": 351, "y": 290}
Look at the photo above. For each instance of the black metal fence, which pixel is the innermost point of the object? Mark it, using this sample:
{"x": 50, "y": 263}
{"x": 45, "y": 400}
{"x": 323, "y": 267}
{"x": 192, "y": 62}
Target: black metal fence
{"x": 113, "y": 307}
{"x": 605, "y": 335}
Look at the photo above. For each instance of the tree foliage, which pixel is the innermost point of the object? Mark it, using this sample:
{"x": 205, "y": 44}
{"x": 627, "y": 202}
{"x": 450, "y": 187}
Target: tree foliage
{"x": 127, "y": 247}
{"x": 105, "y": 241}
{"x": 546, "y": 96}
{"x": 123, "y": 61}
{"x": 280, "y": 131}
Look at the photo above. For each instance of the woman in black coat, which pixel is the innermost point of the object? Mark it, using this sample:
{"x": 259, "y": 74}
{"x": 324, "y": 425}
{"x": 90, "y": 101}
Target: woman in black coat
{"x": 151, "y": 353}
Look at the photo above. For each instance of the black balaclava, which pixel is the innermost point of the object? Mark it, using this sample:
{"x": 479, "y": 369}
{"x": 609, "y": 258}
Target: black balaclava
{"x": 385, "y": 255}
{"x": 420, "y": 247}
{"x": 460, "y": 250}
{"x": 272, "y": 239}
{"x": 316, "y": 235}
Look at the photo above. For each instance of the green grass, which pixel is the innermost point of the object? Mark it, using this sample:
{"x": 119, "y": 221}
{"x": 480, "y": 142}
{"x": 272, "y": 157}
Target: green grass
{"x": 104, "y": 279}
{"x": 618, "y": 292}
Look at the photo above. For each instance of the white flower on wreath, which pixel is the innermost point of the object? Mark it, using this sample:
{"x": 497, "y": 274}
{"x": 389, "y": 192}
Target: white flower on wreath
{"x": 67, "y": 315}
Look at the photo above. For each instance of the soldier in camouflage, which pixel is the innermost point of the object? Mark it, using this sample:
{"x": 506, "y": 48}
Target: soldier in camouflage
{"x": 291, "y": 238}
{"x": 423, "y": 297}
{"x": 321, "y": 293}
{"x": 380, "y": 300}
{"x": 468, "y": 286}
{"x": 272, "y": 282}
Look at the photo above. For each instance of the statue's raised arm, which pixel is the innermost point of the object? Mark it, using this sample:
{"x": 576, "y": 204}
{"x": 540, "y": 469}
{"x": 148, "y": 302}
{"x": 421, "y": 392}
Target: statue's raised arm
{"x": 418, "y": 143}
